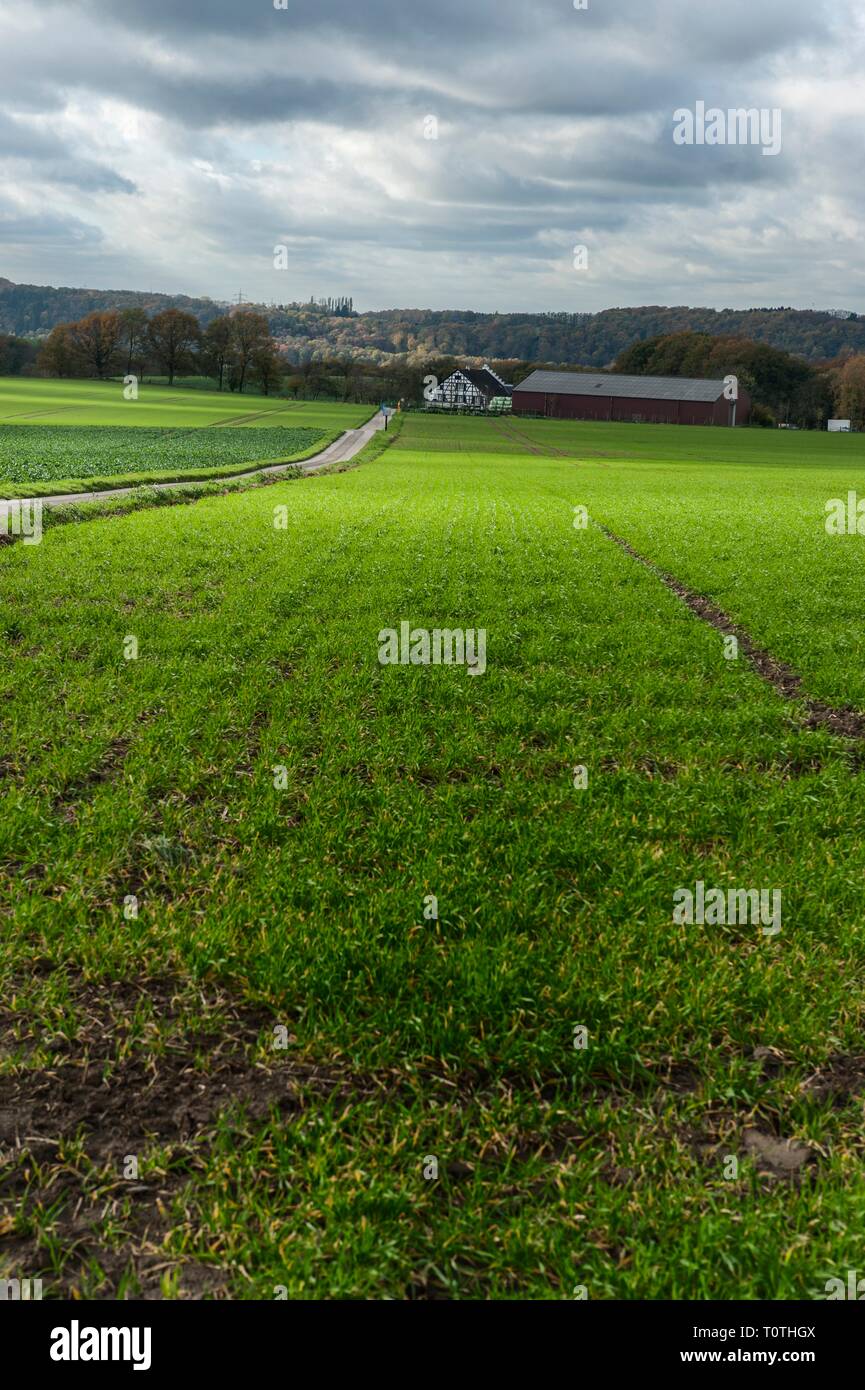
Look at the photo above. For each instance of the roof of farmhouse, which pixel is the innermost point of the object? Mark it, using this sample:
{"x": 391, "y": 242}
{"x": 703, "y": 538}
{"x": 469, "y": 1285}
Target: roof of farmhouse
{"x": 667, "y": 388}
{"x": 484, "y": 379}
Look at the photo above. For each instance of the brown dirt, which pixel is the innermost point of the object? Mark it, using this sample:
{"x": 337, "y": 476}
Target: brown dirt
{"x": 840, "y": 1080}
{"x": 201, "y": 1051}
{"x": 845, "y": 722}
{"x": 107, "y": 769}
{"x": 200, "y": 1056}
{"x": 781, "y": 1158}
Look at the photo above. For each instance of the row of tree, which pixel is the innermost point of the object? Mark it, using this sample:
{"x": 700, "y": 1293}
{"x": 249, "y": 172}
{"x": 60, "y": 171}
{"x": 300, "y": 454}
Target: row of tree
{"x": 784, "y": 389}
{"x": 330, "y": 328}
{"x": 593, "y": 339}
{"x": 17, "y": 355}
{"x": 235, "y": 349}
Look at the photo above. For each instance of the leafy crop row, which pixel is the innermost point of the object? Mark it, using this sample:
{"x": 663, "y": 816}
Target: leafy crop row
{"x": 41, "y": 453}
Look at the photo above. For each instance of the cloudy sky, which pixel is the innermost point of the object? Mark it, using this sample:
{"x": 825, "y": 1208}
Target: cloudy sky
{"x": 449, "y": 155}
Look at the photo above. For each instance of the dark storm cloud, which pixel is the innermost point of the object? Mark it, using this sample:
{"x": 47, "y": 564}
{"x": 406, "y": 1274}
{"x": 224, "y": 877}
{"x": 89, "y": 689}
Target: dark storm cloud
{"x": 717, "y": 32}
{"x": 553, "y": 122}
{"x": 542, "y": 58}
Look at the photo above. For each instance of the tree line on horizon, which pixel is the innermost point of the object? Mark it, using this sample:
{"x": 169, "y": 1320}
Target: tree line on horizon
{"x": 594, "y": 339}
{"x": 331, "y": 328}
{"x": 784, "y": 388}
{"x": 237, "y": 351}
{"x": 234, "y": 349}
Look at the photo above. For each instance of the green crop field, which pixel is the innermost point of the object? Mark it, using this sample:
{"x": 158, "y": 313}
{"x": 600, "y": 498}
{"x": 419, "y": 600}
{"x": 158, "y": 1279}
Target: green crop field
{"x": 347, "y": 979}
{"x": 31, "y": 454}
{"x": 25, "y": 402}
{"x": 69, "y": 436}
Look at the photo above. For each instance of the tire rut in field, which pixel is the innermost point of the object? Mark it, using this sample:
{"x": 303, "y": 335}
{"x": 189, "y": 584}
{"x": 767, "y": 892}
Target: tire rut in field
{"x": 527, "y": 442}
{"x": 845, "y": 722}
{"x": 234, "y": 420}
{"x": 516, "y": 436}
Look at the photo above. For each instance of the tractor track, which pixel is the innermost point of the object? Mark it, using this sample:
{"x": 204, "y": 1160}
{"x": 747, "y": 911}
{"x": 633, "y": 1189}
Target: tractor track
{"x": 842, "y": 721}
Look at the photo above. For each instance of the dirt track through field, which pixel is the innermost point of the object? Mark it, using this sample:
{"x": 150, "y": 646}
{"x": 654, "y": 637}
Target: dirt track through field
{"x": 241, "y": 419}
{"x": 31, "y": 414}
{"x": 845, "y": 722}
{"x": 517, "y": 436}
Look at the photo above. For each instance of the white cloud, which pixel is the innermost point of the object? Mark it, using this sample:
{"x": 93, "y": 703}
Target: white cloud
{"x": 239, "y": 128}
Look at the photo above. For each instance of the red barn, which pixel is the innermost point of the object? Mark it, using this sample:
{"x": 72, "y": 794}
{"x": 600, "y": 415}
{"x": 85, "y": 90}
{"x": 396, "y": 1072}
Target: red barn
{"x": 665, "y": 400}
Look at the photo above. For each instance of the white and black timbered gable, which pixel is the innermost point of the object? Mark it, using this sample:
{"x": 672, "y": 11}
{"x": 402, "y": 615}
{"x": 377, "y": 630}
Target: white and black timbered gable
{"x": 470, "y": 387}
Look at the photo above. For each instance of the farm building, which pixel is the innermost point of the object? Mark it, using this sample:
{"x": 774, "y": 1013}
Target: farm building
{"x": 666, "y": 400}
{"x": 471, "y": 388}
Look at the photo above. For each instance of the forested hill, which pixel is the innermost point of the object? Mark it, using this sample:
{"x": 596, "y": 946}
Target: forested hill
{"x": 33, "y": 310}
{"x": 310, "y": 331}
{"x": 588, "y": 339}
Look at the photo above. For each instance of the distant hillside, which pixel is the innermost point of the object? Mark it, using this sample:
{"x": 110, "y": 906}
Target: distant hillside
{"x": 33, "y": 310}
{"x": 309, "y": 332}
{"x": 589, "y": 339}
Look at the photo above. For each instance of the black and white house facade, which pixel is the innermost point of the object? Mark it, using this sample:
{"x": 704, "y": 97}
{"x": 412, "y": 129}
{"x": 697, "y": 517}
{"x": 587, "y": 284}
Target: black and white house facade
{"x": 472, "y": 388}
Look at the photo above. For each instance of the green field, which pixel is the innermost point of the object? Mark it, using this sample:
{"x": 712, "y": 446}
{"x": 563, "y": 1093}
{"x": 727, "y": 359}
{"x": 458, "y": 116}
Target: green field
{"x": 285, "y": 1036}
{"x": 69, "y": 436}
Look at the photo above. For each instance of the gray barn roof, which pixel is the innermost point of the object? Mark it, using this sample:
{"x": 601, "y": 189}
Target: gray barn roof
{"x": 656, "y": 388}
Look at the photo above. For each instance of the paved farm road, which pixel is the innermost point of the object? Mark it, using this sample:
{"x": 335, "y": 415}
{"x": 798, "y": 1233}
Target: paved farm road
{"x": 348, "y": 444}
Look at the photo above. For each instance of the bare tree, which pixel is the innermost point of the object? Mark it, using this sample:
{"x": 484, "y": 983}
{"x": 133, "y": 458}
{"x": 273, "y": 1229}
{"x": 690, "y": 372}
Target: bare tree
{"x": 97, "y": 340}
{"x": 250, "y": 333}
{"x": 172, "y": 335}
{"x": 134, "y": 334}
{"x": 216, "y": 347}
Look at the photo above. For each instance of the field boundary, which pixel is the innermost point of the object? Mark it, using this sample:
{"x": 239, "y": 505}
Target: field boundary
{"x": 73, "y": 487}
{"x": 116, "y": 482}
{"x": 121, "y": 501}
{"x": 844, "y": 721}
{"x": 330, "y": 450}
